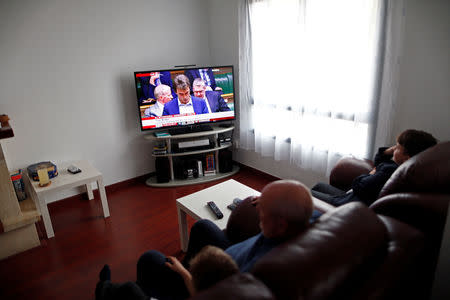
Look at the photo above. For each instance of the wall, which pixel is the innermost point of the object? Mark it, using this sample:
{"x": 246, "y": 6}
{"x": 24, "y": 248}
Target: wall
{"x": 424, "y": 90}
{"x": 66, "y": 76}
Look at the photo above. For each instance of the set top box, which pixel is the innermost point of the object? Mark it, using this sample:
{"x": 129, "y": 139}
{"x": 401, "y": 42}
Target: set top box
{"x": 191, "y": 145}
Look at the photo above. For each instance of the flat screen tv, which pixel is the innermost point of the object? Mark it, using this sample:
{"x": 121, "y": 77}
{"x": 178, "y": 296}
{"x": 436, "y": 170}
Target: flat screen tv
{"x": 186, "y": 99}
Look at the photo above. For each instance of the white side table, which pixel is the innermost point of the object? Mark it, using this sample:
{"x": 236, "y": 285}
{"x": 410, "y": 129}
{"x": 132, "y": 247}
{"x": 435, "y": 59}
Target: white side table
{"x": 66, "y": 180}
{"x": 195, "y": 205}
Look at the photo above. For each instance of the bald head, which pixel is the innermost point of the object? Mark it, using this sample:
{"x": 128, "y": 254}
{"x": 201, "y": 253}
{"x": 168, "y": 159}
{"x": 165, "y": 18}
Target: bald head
{"x": 285, "y": 207}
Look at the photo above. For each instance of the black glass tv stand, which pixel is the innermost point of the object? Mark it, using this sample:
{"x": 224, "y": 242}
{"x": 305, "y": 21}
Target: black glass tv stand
{"x": 190, "y": 129}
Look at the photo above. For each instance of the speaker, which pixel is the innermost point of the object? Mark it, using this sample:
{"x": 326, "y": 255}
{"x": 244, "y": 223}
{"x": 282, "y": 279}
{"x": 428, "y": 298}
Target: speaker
{"x": 225, "y": 160}
{"x": 162, "y": 169}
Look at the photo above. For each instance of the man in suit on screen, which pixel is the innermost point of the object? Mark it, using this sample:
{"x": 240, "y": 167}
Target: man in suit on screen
{"x": 184, "y": 103}
{"x": 213, "y": 99}
{"x": 206, "y": 74}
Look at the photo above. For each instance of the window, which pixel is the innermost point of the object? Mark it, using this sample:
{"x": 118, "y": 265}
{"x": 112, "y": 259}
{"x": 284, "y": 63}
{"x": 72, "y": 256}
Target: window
{"x": 308, "y": 76}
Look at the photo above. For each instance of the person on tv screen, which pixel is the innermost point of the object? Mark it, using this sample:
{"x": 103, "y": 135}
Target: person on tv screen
{"x": 213, "y": 99}
{"x": 163, "y": 94}
{"x": 184, "y": 103}
{"x": 206, "y": 74}
{"x": 149, "y": 83}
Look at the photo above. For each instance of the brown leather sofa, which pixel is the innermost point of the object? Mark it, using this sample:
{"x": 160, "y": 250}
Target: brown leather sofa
{"x": 418, "y": 194}
{"x": 386, "y": 251}
{"x": 349, "y": 253}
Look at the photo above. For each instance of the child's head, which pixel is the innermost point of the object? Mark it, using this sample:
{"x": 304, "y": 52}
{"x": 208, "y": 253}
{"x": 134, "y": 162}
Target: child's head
{"x": 412, "y": 142}
{"x": 210, "y": 266}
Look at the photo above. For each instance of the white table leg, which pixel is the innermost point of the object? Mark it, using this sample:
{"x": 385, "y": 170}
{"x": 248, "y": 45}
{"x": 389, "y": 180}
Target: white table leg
{"x": 89, "y": 191}
{"x": 45, "y": 217}
{"x": 182, "y": 226}
{"x": 102, "y": 192}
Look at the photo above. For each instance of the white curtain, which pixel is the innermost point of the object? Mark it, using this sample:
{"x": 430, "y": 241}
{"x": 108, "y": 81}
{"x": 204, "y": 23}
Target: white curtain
{"x": 309, "y": 78}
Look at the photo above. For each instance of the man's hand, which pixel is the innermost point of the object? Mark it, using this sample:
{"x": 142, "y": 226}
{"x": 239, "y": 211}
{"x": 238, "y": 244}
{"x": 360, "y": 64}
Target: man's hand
{"x": 374, "y": 170}
{"x": 176, "y": 266}
{"x": 153, "y": 77}
{"x": 389, "y": 151}
{"x": 254, "y": 200}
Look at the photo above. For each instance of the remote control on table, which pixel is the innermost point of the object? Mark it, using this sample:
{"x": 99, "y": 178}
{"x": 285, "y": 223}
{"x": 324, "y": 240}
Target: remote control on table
{"x": 215, "y": 209}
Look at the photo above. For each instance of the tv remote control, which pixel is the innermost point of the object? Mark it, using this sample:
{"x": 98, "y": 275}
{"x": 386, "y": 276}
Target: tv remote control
{"x": 215, "y": 209}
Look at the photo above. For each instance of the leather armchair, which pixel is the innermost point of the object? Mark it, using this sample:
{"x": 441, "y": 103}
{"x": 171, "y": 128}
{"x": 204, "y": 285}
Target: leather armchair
{"x": 349, "y": 253}
{"x": 418, "y": 194}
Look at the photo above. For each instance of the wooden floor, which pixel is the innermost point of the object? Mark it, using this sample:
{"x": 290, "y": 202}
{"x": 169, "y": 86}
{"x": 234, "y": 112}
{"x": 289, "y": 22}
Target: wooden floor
{"x": 67, "y": 266}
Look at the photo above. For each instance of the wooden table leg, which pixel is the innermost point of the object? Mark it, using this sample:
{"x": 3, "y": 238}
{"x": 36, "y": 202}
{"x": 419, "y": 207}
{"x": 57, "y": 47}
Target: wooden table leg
{"x": 182, "y": 226}
{"x": 45, "y": 217}
{"x": 102, "y": 192}
{"x": 89, "y": 191}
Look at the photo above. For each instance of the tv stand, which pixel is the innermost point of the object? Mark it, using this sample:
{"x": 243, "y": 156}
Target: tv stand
{"x": 168, "y": 139}
{"x": 190, "y": 129}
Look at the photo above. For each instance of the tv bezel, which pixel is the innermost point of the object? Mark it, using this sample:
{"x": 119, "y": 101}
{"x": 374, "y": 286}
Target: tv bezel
{"x": 187, "y": 125}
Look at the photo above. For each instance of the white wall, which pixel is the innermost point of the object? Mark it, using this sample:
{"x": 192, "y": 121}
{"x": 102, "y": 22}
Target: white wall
{"x": 66, "y": 76}
{"x": 424, "y": 87}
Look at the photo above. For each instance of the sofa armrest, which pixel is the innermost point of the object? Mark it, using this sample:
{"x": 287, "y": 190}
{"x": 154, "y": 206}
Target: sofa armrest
{"x": 347, "y": 169}
{"x": 322, "y": 206}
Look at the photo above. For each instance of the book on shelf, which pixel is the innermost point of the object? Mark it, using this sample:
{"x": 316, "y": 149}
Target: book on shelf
{"x": 210, "y": 163}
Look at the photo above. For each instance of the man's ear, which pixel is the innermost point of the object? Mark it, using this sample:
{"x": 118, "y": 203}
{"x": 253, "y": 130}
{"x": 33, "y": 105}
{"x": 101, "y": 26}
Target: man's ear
{"x": 282, "y": 227}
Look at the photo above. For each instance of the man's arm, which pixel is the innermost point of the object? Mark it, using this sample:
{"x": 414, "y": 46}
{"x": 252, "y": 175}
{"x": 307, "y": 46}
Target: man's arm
{"x": 384, "y": 154}
{"x": 176, "y": 266}
{"x": 223, "y": 106}
{"x": 367, "y": 187}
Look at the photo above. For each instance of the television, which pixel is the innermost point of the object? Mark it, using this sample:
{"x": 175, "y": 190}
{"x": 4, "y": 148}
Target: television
{"x": 208, "y": 98}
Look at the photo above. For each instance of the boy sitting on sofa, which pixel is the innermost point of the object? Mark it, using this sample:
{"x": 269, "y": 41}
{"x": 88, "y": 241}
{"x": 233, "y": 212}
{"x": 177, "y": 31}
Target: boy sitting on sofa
{"x": 366, "y": 188}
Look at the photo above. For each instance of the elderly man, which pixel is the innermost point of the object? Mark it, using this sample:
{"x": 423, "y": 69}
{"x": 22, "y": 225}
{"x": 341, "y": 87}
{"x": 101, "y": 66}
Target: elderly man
{"x": 284, "y": 207}
{"x": 213, "y": 99}
{"x": 163, "y": 94}
{"x": 184, "y": 103}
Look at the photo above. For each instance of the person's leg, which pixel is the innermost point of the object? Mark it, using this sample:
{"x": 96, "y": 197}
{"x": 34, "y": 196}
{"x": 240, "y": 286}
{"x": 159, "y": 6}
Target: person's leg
{"x": 106, "y": 290}
{"x": 204, "y": 232}
{"x": 157, "y": 280}
{"x": 322, "y": 196}
{"x": 328, "y": 189}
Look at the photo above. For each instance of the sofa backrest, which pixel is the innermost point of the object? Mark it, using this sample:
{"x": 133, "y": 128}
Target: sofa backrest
{"x": 418, "y": 194}
{"x": 427, "y": 172}
{"x": 337, "y": 256}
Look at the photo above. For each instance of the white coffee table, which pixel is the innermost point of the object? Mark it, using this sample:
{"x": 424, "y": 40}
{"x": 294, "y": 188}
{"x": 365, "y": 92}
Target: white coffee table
{"x": 195, "y": 205}
{"x": 66, "y": 180}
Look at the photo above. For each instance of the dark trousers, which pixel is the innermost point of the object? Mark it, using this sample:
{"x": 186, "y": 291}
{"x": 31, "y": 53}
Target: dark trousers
{"x": 106, "y": 290}
{"x": 331, "y": 194}
{"x": 158, "y": 281}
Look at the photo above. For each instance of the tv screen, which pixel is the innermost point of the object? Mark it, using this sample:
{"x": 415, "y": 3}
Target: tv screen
{"x": 181, "y": 97}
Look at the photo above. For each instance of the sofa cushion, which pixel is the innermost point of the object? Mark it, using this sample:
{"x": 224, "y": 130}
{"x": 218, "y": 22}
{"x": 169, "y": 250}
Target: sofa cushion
{"x": 327, "y": 260}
